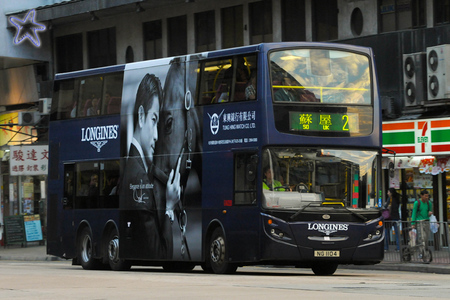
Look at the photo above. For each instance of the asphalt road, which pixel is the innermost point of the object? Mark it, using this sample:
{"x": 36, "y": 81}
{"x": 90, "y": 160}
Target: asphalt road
{"x": 61, "y": 280}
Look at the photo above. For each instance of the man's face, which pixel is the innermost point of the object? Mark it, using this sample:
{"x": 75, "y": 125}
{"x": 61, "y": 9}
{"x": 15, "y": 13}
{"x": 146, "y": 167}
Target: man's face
{"x": 424, "y": 197}
{"x": 269, "y": 174}
{"x": 94, "y": 180}
{"x": 288, "y": 82}
{"x": 149, "y": 132}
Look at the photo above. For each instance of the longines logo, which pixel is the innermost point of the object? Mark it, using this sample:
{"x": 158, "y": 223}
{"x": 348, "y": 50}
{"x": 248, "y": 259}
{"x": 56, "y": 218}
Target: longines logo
{"x": 327, "y": 228}
{"x": 98, "y": 136}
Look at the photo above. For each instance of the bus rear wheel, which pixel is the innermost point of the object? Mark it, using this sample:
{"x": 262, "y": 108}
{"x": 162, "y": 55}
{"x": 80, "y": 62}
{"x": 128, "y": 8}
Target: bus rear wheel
{"x": 86, "y": 251}
{"x": 324, "y": 269}
{"x": 115, "y": 262}
{"x": 218, "y": 254}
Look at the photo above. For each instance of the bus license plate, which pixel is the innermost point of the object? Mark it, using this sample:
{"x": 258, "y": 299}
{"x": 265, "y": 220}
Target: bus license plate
{"x": 326, "y": 253}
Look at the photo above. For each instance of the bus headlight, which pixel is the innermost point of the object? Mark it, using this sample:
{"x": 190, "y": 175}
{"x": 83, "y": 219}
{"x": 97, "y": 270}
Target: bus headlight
{"x": 277, "y": 233}
{"x": 375, "y": 235}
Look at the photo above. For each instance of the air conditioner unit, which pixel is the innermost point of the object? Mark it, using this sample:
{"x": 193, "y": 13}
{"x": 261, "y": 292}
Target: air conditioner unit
{"x": 438, "y": 71}
{"x": 44, "y": 105}
{"x": 28, "y": 118}
{"x": 415, "y": 78}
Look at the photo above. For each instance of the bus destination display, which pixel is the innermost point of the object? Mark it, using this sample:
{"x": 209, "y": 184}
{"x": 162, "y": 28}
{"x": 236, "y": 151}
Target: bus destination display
{"x": 312, "y": 121}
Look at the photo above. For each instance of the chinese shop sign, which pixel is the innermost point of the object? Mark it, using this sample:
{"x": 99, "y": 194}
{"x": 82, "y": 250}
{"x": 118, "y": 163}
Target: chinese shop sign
{"x": 29, "y": 160}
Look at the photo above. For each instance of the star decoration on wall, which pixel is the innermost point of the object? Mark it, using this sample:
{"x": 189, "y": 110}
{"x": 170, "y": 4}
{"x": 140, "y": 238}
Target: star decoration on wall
{"x": 27, "y": 28}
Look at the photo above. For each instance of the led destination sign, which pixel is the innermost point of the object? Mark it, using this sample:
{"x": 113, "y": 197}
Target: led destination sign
{"x": 312, "y": 121}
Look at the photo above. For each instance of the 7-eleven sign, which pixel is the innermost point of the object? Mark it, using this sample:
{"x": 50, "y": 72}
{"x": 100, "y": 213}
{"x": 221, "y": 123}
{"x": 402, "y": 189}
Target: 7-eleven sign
{"x": 418, "y": 137}
{"x": 423, "y": 137}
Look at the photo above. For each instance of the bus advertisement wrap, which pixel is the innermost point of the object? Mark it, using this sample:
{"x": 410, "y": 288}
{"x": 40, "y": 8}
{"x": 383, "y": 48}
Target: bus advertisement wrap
{"x": 161, "y": 215}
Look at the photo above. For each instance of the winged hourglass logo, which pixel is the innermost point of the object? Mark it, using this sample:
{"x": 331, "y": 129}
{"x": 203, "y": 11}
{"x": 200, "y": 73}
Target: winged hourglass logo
{"x": 98, "y": 144}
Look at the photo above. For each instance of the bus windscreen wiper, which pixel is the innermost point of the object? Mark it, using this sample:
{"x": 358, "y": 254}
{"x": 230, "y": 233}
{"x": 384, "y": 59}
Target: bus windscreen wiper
{"x": 301, "y": 210}
{"x": 356, "y": 214}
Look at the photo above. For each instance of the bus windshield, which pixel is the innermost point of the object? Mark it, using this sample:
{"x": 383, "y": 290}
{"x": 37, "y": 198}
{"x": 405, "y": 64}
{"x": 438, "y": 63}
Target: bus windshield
{"x": 297, "y": 177}
{"x": 320, "y": 75}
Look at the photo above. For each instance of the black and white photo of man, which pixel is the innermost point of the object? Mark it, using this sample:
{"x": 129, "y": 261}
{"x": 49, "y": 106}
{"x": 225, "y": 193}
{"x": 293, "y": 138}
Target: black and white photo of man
{"x": 148, "y": 234}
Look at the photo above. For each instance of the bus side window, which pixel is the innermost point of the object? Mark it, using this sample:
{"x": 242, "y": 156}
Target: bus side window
{"x": 112, "y": 91}
{"x": 65, "y": 100}
{"x": 89, "y": 101}
{"x": 245, "y": 178}
{"x": 109, "y": 184}
{"x": 216, "y": 79}
{"x": 245, "y": 78}
{"x": 87, "y": 193}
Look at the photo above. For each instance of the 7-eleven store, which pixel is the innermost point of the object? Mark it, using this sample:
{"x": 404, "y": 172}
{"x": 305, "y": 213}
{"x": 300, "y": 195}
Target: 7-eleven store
{"x": 422, "y": 161}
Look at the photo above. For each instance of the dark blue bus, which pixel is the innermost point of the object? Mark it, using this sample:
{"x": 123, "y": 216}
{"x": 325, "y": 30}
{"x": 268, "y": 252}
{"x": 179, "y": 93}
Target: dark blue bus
{"x": 264, "y": 154}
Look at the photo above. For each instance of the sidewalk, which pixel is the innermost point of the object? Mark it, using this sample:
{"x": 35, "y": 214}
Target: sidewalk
{"x": 36, "y": 252}
{"x": 32, "y": 252}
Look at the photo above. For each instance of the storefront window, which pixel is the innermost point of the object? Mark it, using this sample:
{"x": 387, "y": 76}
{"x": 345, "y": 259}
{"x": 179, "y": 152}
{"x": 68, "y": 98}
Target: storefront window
{"x": 412, "y": 174}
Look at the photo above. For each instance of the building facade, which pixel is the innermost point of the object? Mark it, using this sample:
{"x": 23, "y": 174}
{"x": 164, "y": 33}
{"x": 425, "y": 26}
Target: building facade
{"x": 81, "y": 34}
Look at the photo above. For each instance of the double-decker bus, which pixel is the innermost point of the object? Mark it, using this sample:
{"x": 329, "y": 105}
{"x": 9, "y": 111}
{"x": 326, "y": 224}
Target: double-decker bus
{"x": 263, "y": 154}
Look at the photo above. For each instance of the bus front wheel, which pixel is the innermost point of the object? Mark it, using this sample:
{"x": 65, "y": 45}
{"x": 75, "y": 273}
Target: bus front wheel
{"x": 86, "y": 251}
{"x": 324, "y": 269}
{"x": 116, "y": 263}
{"x": 218, "y": 255}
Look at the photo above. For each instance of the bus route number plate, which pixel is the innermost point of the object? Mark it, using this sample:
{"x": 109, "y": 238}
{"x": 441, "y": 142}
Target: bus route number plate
{"x": 326, "y": 253}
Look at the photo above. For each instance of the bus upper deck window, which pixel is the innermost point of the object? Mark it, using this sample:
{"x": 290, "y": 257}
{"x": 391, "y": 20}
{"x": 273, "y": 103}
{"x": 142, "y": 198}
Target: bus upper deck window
{"x": 324, "y": 76}
{"x": 228, "y": 80}
{"x": 320, "y": 63}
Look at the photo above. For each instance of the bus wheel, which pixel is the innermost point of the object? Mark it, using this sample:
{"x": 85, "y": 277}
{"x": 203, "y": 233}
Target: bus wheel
{"x": 86, "y": 251}
{"x": 324, "y": 269}
{"x": 114, "y": 261}
{"x": 218, "y": 256}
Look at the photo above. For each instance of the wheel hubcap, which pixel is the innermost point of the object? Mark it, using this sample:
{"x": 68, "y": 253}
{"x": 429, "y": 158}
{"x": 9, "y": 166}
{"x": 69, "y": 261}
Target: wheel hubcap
{"x": 217, "y": 250}
{"x": 113, "y": 249}
{"x": 86, "y": 252}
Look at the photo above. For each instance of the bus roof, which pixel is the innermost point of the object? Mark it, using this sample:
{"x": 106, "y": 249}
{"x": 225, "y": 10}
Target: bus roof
{"x": 89, "y": 72}
{"x": 209, "y": 54}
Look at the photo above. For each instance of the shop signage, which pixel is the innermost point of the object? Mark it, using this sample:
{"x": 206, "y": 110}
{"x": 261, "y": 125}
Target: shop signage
{"x": 33, "y": 229}
{"x": 14, "y": 229}
{"x": 418, "y": 137}
{"x": 28, "y": 160}
{"x": 13, "y": 134}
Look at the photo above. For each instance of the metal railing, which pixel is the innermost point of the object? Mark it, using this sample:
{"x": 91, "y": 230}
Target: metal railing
{"x": 417, "y": 246}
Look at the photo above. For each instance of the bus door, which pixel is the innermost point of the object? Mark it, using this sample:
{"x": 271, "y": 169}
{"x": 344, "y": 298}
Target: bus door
{"x": 68, "y": 202}
{"x": 243, "y": 227}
